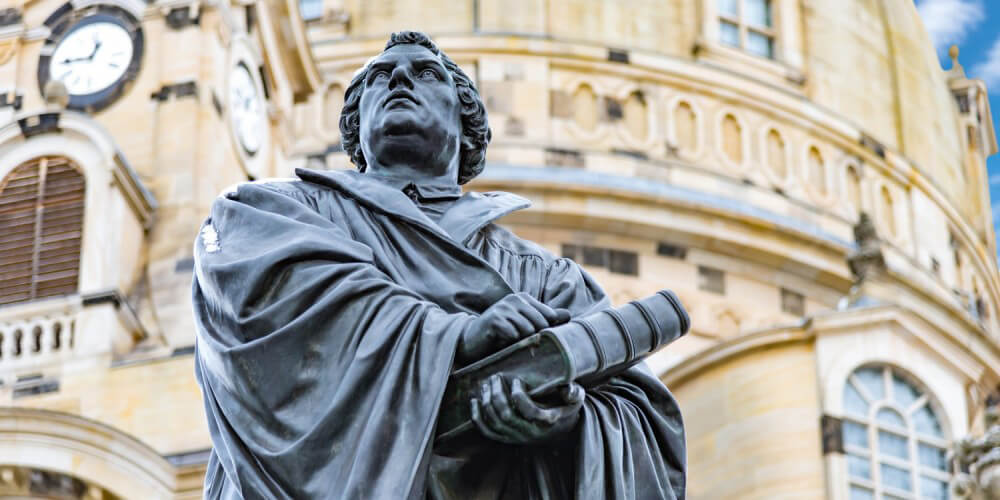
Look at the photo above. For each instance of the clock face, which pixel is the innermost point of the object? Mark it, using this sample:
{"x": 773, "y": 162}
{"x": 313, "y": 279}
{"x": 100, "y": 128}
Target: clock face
{"x": 92, "y": 57}
{"x": 94, "y": 51}
{"x": 246, "y": 109}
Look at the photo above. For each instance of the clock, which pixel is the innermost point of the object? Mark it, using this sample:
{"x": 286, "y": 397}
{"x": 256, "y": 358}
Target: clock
{"x": 247, "y": 112}
{"x": 95, "y": 52}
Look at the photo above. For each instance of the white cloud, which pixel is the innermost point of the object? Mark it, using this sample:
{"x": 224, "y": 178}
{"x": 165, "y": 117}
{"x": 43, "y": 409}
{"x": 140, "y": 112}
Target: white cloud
{"x": 989, "y": 68}
{"x": 949, "y": 21}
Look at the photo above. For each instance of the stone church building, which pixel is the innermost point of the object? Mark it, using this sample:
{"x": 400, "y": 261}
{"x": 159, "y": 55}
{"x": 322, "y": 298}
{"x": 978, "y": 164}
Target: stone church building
{"x": 801, "y": 172}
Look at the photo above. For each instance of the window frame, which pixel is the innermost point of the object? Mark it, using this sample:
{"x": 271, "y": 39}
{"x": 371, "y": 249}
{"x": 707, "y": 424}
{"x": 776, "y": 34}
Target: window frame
{"x": 311, "y": 18}
{"x": 787, "y": 66}
{"x": 74, "y": 200}
{"x": 873, "y": 426}
{"x": 745, "y": 28}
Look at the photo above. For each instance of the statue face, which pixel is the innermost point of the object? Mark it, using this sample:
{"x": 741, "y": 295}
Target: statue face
{"x": 409, "y": 112}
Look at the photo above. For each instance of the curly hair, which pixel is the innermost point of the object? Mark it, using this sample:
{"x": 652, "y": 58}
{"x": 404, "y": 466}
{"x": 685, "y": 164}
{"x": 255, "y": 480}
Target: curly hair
{"x": 475, "y": 126}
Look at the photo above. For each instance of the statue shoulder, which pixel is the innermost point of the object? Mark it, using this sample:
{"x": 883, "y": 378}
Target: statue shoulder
{"x": 261, "y": 191}
{"x": 504, "y": 239}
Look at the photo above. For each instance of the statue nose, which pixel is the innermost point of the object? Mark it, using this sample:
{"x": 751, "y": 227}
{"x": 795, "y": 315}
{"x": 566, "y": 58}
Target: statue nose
{"x": 400, "y": 77}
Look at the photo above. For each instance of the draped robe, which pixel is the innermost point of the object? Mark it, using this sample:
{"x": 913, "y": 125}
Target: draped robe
{"x": 329, "y": 310}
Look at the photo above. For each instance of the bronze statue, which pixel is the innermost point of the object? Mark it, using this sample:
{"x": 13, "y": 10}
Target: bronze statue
{"x": 333, "y": 309}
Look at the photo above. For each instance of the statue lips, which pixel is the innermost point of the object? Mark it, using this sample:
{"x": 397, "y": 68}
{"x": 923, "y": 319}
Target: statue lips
{"x": 398, "y": 98}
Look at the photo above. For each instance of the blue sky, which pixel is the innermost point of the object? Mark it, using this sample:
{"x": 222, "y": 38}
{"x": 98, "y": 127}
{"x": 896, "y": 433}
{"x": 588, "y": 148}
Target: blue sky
{"x": 973, "y": 26}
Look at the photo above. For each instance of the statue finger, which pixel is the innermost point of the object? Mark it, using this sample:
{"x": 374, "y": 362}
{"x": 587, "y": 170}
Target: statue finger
{"x": 551, "y": 315}
{"x": 527, "y": 311}
{"x": 484, "y": 429}
{"x": 527, "y": 407}
{"x": 513, "y": 421}
{"x": 562, "y": 316}
{"x": 522, "y": 325}
{"x": 507, "y": 333}
{"x": 490, "y": 415}
{"x": 501, "y": 404}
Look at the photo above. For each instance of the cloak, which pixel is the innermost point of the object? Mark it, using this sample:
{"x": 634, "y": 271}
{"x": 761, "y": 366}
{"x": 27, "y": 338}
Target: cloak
{"x": 329, "y": 310}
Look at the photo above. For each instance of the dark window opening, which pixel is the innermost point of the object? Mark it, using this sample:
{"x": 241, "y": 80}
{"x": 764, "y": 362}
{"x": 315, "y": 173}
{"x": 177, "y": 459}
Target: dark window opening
{"x": 792, "y": 302}
{"x": 616, "y": 261}
{"x": 711, "y": 280}
{"x": 672, "y": 251}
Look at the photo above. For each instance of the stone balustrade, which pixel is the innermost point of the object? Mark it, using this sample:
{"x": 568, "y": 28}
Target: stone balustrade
{"x": 37, "y": 333}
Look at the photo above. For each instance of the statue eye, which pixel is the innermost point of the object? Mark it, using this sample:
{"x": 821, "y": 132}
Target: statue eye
{"x": 428, "y": 74}
{"x": 379, "y": 75}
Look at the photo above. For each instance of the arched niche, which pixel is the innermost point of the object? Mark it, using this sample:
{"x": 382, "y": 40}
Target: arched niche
{"x": 731, "y": 139}
{"x": 636, "y": 116}
{"x": 853, "y": 187}
{"x": 887, "y": 212}
{"x": 776, "y": 154}
{"x": 585, "y": 111}
{"x": 685, "y": 128}
{"x": 816, "y": 172}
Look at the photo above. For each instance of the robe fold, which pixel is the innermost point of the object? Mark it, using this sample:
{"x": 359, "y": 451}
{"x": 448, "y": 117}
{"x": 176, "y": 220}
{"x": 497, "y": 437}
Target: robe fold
{"x": 329, "y": 310}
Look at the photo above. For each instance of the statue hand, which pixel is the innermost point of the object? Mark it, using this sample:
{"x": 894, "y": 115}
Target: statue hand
{"x": 512, "y": 318}
{"x": 511, "y": 416}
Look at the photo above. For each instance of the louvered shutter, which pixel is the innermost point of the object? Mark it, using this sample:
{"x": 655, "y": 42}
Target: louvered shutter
{"x": 41, "y": 222}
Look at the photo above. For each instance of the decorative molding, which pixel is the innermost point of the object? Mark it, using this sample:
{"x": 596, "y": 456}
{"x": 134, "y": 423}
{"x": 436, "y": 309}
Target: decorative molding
{"x": 699, "y": 127}
{"x": 179, "y": 90}
{"x": 867, "y": 261}
{"x": 832, "y": 434}
{"x": 871, "y": 144}
{"x": 40, "y": 123}
{"x": 117, "y": 299}
{"x": 618, "y": 56}
{"x": 8, "y": 48}
{"x": 976, "y": 461}
{"x": 12, "y": 99}
{"x": 181, "y": 17}
{"x": 34, "y": 387}
{"x": 10, "y": 16}
{"x": 92, "y": 451}
{"x": 195, "y": 457}
{"x": 736, "y": 346}
{"x": 140, "y": 199}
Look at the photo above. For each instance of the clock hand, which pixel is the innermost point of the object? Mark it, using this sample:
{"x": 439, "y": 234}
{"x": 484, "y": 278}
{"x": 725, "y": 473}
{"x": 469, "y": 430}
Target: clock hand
{"x": 97, "y": 46}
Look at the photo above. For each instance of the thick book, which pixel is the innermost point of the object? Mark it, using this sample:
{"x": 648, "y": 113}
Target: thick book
{"x": 586, "y": 350}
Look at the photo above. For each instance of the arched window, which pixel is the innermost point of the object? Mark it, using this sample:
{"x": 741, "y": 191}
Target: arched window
{"x": 895, "y": 444}
{"x": 41, "y": 213}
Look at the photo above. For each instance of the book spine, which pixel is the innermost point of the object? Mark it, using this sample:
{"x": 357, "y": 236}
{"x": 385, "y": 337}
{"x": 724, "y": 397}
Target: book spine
{"x": 611, "y": 340}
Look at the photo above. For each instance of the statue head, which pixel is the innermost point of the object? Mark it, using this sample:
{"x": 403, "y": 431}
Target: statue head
{"x": 412, "y": 107}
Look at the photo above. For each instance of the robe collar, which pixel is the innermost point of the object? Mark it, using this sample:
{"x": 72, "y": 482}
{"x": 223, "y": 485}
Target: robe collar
{"x": 421, "y": 191}
{"x": 467, "y": 215}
